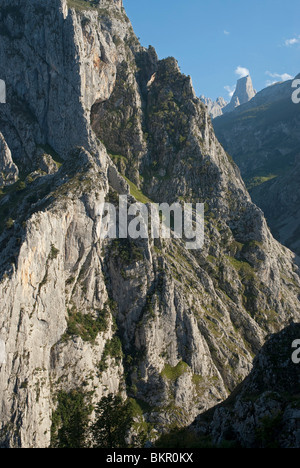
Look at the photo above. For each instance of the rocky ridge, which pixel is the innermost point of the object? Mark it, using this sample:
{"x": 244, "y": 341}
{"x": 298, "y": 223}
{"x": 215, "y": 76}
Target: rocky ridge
{"x": 90, "y": 115}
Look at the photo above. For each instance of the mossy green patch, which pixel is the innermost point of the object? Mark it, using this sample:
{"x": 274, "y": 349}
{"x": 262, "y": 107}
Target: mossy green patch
{"x": 173, "y": 373}
{"x": 245, "y": 270}
{"x": 81, "y": 5}
{"x": 137, "y": 193}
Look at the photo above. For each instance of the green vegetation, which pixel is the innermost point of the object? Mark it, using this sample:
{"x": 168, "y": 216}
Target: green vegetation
{"x": 21, "y": 185}
{"x": 53, "y": 253}
{"x": 114, "y": 419}
{"x": 136, "y": 193}
{"x": 70, "y": 420}
{"x": 116, "y": 158}
{"x": 244, "y": 269}
{"x": 85, "y": 325}
{"x": 127, "y": 251}
{"x": 173, "y": 373}
{"x": 148, "y": 307}
{"x": 13, "y": 196}
{"x": 113, "y": 349}
{"x": 54, "y": 155}
{"x": 9, "y": 223}
{"x": 269, "y": 428}
{"x": 259, "y": 180}
{"x": 81, "y": 5}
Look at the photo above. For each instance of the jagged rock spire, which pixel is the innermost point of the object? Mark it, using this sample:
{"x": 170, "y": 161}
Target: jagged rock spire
{"x": 244, "y": 92}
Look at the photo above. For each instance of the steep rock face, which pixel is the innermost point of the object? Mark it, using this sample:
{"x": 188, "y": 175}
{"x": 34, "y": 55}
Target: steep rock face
{"x": 172, "y": 328}
{"x": 264, "y": 411}
{"x": 8, "y": 170}
{"x": 36, "y": 296}
{"x": 166, "y": 145}
{"x": 53, "y": 76}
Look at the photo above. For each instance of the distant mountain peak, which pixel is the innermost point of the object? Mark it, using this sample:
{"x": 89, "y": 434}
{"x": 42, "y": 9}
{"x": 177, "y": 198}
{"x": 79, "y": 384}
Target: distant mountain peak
{"x": 244, "y": 92}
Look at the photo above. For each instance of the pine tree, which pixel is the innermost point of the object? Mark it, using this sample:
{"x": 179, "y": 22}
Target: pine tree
{"x": 113, "y": 420}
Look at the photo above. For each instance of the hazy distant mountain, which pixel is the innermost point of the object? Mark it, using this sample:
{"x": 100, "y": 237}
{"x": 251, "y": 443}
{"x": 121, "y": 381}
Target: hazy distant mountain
{"x": 215, "y": 108}
{"x": 263, "y": 137}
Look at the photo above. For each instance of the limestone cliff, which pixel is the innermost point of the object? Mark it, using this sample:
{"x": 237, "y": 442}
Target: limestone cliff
{"x": 174, "y": 329}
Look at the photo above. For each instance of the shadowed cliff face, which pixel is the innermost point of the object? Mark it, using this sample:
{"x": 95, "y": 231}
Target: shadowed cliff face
{"x": 174, "y": 330}
{"x": 264, "y": 411}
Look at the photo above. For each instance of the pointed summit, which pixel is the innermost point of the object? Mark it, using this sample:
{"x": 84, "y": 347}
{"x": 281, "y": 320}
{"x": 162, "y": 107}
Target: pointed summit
{"x": 244, "y": 92}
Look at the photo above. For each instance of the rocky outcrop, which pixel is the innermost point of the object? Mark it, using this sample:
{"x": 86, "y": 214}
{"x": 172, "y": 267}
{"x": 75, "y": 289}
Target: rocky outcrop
{"x": 176, "y": 330}
{"x": 8, "y": 170}
{"x": 264, "y": 410}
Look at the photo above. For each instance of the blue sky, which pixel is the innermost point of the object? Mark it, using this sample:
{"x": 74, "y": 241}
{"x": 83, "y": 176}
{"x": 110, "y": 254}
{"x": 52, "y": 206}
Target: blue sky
{"x": 212, "y": 38}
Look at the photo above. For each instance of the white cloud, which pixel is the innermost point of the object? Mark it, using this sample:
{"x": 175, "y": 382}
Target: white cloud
{"x": 230, "y": 90}
{"x": 277, "y": 77}
{"x": 226, "y": 32}
{"x": 293, "y": 41}
{"x": 242, "y": 72}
